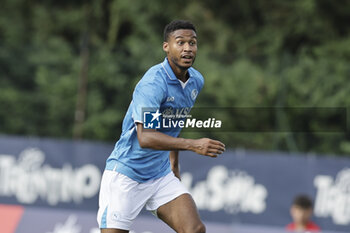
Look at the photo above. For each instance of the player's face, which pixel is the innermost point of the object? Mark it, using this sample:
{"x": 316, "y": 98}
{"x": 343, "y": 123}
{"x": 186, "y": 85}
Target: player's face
{"x": 300, "y": 215}
{"x": 181, "y": 48}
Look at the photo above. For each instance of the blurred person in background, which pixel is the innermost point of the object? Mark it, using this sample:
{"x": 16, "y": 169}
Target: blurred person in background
{"x": 301, "y": 213}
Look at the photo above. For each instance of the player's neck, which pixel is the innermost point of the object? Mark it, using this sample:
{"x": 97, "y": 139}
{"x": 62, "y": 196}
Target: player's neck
{"x": 180, "y": 73}
{"x": 183, "y": 76}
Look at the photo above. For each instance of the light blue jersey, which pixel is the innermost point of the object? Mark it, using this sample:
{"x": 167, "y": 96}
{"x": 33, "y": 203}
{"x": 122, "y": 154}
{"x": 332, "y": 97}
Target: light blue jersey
{"x": 159, "y": 89}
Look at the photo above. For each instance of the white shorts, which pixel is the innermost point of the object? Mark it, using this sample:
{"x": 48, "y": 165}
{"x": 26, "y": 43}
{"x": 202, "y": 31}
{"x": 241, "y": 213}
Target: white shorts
{"x": 121, "y": 198}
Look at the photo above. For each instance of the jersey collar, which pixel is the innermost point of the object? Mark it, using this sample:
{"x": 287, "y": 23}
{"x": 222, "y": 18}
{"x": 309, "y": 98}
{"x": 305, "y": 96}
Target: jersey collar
{"x": 167, "y": 68}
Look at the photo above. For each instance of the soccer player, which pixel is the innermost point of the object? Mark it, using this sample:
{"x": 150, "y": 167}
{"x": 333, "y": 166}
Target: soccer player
{"x": 141, "y": 172}
{"x": 301, "y": 212}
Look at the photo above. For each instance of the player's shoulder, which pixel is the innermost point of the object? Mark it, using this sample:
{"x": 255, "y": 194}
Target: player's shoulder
{"x": 197, "y": 76}
{"x": 153, "y": 76}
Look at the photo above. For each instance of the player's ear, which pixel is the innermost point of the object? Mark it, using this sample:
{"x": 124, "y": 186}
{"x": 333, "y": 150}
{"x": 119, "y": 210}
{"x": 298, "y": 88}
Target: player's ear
{"x": 165, "y": 46}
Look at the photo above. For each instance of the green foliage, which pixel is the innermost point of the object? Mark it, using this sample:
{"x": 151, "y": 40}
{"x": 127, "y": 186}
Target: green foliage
{"x": 263, "y": 53}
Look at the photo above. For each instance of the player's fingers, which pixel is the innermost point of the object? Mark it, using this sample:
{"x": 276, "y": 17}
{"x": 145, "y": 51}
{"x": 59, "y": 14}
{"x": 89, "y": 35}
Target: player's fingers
{"x": 213, "y": 155}
{"x": 215, "y": 151}
{"x": 217, "y": 147}
{"x": 216, "y": 142}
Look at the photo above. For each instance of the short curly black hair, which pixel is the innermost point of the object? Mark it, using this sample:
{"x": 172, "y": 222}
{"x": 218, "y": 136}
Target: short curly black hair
{"x": 303, "y": 201}
{"x": 176, "y": 25}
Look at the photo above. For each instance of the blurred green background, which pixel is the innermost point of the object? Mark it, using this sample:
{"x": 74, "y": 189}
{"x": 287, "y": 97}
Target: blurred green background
{"x": 68, "y": 68}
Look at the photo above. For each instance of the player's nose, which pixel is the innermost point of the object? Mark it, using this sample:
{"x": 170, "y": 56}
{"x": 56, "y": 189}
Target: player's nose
{"x": 187, "y": 47}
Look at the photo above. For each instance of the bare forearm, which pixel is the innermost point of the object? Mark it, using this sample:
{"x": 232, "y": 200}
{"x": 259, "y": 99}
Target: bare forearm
{"x": 160, "y": 141}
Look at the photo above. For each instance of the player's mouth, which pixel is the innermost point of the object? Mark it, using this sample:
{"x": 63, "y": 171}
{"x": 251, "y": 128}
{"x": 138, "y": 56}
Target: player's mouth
{"x": 187, "y": 58}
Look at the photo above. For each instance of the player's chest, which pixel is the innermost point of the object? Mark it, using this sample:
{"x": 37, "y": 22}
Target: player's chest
{"x": 179, "y": 97}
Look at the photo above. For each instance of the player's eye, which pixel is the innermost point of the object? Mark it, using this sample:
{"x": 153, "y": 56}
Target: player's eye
{"x": 192, "y": 43}
{"x": 180, "y": 42}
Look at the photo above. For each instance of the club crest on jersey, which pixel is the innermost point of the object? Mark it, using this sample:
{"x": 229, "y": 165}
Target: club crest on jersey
{"x": 194, "y": 94}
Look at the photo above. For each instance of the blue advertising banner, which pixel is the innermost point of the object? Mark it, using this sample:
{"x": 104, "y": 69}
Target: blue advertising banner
{"x": 240, "y": 191}
{"x": 51, "y": 173}
{"x": 255, "y": 187}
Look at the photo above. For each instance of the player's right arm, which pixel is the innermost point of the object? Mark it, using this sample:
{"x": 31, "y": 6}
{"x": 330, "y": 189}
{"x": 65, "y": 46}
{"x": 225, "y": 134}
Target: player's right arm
{"x": 150, "y": 138}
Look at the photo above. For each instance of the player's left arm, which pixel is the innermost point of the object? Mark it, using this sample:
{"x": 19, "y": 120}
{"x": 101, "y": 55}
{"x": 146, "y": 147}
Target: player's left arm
{"x": 174, "y": 162}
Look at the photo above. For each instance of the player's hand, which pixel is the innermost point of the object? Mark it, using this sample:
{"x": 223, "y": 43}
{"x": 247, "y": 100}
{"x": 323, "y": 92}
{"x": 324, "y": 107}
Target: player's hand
{"x": 208, "y": 147}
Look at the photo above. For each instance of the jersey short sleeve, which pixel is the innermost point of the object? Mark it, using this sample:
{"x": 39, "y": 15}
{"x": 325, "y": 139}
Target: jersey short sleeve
{"x": 149, "y": 93}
